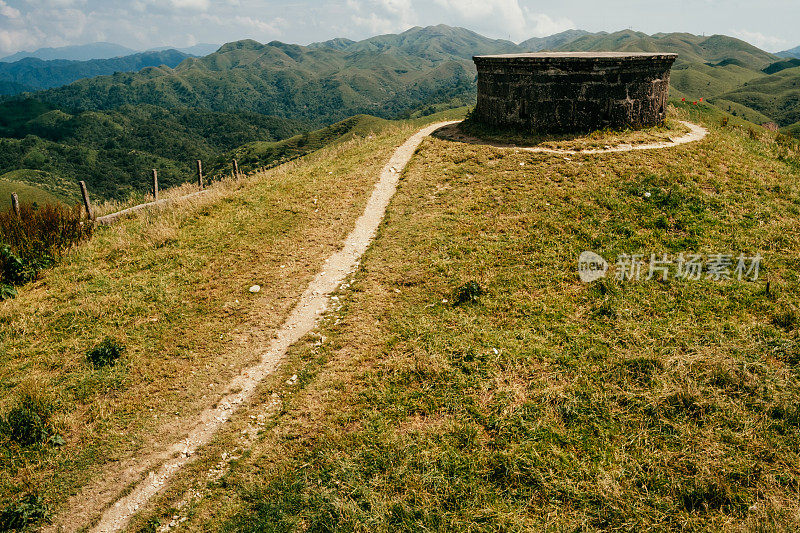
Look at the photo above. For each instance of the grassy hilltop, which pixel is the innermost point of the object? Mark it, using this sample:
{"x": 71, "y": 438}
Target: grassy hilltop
{"x": 545, "y": 403}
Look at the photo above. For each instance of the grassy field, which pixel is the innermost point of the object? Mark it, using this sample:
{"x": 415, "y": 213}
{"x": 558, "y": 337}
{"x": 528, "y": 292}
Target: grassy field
{"x": 172, "y": 288}
{"x": 25, "y": 192}
{"x": 545, "y": 403}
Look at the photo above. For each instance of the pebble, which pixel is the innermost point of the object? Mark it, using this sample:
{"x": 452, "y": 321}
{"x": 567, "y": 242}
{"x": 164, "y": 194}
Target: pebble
{"x": 255, "y": 288}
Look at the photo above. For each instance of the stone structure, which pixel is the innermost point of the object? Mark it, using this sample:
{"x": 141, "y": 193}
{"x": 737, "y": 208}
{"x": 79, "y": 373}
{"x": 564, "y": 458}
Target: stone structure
{"x": 560, "y": 92}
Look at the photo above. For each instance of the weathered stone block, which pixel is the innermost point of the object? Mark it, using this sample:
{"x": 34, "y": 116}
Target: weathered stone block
{"x": 561, "y": 92}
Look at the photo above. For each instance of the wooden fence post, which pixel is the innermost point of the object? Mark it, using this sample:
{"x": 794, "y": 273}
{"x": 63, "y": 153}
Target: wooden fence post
{"x": 236, "y": 169}
{"x": 15, "y": 203}
{"x": 199, "y": 174}
{"x": 86, "y": 203}
{"x": 155, "y": 185}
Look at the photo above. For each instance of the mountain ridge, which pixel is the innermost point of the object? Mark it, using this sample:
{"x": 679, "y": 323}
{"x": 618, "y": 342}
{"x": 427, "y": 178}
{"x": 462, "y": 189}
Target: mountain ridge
{"x": 31, "y": 74}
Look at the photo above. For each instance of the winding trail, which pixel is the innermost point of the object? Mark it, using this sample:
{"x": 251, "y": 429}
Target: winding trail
{"x": 695, "y": 133}
{"x": 301, "y": 321}
{"x": 118, "y": 510}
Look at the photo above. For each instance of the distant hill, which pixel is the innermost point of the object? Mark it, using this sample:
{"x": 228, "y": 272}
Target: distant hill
{"x": 82, "y": 52}
{"x": 383, "y": 76}
{"x": 200, "y": 50}
{"x": 794, "y": 52}
{"x": 32, "y": 74}
{"x": 255, "y": 101}
{"x": 537, "y": 44}
{"x": 434, "y": 43}
{"x": 114, "y": 150}
{"x": 775, "y": 95}
{"x": 690, "y": 48}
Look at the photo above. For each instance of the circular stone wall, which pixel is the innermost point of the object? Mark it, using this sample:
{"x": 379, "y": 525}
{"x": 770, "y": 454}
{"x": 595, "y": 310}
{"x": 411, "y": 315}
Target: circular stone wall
{"x": 562, "y": 92}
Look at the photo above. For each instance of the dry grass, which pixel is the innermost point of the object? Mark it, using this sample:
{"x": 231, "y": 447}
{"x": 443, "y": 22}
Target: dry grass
{"x": 548, "y": 403}
{"x": 173, "y": 287}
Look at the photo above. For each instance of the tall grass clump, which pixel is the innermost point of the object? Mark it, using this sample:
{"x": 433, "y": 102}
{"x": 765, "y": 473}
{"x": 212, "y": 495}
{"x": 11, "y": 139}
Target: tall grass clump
{"x": 35, "y": 239}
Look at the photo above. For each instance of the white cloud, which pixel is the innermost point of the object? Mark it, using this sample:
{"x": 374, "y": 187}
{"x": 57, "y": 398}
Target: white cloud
{"x": 383, "y": 16}
{"x": 15, "y": 40}
{"x": 508, "y": 16}
{"x": 196, "y": 5}
{"x": 8, "y": 11}
{"x": 541, "y": 25}
{"x": 766, "y": 42}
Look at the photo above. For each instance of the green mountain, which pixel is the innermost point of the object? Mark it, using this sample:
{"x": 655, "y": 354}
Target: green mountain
{"x": 114, "y": 150}
{"x": 83, "y": 52}
{"x": 537, "y": 44}
{"x": 32, "y": 74}
{"x": 254, "y": 101}
{"x": 319, "y": 85}
{"x": 433, "y": 43}
{"x": 715, "y": 50}
{"x": 774, "y": 95}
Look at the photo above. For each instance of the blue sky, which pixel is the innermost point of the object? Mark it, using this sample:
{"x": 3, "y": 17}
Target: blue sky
{"x": 142, "y": 24}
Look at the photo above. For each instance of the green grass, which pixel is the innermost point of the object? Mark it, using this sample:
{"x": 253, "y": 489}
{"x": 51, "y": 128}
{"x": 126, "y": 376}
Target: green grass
{"x": 546, "y": 404}
{"x": 45, "y": 182}
{"x": 25, "y": 192}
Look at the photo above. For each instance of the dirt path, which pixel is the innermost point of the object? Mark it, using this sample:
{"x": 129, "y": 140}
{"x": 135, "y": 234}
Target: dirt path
{"x": 150, "y": 474}
{"x": 696, "y": 133}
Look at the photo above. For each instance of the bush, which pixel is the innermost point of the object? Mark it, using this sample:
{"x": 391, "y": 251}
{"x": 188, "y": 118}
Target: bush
{"x": 28, "y": 423}
{"x": 28, "y": 510}
{"x": 106, "y": 353}
{"x": 468, "y": 292}
{"x": 7, "y": 291}
{"x": 35, "y": 239}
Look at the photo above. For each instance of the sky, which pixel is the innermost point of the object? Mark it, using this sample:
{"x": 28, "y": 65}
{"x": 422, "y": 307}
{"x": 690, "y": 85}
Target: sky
{"x": 142, "y": 24}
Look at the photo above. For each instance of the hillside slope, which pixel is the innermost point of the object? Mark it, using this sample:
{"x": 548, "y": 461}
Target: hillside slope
{"x": 468, "y": 380}
{"x": 776, "y": 95}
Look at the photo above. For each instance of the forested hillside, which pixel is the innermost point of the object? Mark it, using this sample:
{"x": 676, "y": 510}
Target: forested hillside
{"x": 31, "y": 74}
{"x": 113, "y": 151}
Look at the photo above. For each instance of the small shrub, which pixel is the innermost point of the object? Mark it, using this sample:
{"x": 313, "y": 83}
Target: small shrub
{"x": 28, "y": 422}
{"x": 12, "y": 269}
{"x": 27, "y": 511}
{"x": 786, "y": 319}
{"x": 106, "y": 353}
{"x": 468, "y": 292}
{"x": 7, "y": 291}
